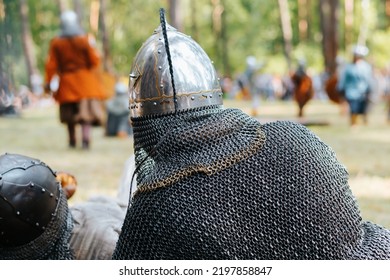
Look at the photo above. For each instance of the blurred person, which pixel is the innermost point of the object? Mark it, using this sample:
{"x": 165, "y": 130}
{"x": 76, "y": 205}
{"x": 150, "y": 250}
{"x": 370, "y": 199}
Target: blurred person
{"x": 215, "y": 183}
{"x": 36, "y": 222}
{"x": 288, "y": 87}
{"x": 356, "y": 83}
{"x": 303, "y": 86}
{"x": 79, "y": 94}
{"x": 249, "y": 83}
{"x": 118, "y": 113}
{"x": 332, "y": 89}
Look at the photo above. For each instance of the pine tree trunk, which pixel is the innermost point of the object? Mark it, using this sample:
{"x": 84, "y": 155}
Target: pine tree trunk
{"x": 348, "y": 22}
{"x": 28, "y": 47}
{"x": 329, "y": 23}
{"x": 194, "y": 23}
{"x": 175, "y": 15}
{"x": 286, "y": 30}
{"x": 61, "y": 6}
{"x": 224, "y": 41}
{"x": 387, "y": 8}
{"x": 107, "y": 62}
{"x": 302, "y": 14}
{"x": 78, "y": 8}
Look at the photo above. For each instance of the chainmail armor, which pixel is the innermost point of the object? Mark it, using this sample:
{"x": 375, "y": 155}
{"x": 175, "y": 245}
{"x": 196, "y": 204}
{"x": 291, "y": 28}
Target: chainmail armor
{"x": 219, "y": 185}
{"x": 166, "y": 166}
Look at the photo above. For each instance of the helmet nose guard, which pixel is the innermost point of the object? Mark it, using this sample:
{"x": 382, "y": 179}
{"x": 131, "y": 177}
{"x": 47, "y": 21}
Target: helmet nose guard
{"x": 150, "y": 86}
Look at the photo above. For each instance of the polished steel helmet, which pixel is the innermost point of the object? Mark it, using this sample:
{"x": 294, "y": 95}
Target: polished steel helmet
{"x": 29, "y": 196}
{"x": 152, "y": 91}
{"x": 69, "y": 24}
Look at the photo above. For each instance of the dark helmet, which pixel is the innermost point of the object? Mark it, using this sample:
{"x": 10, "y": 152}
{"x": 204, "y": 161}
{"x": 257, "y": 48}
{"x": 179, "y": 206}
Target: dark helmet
{"x": 150, "y": 86}
{"x": 29, "y": 198}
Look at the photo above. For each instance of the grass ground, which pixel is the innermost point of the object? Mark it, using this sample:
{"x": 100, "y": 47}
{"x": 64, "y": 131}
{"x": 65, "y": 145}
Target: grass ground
{"x": 364, "y": 151}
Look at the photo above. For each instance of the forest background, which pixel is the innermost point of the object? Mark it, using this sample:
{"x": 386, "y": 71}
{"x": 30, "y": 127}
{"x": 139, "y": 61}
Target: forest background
{"x": 278, "y": 33}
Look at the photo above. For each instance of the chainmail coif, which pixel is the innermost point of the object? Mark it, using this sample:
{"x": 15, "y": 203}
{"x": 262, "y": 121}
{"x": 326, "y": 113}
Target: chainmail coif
{"x": 219, "y": 185}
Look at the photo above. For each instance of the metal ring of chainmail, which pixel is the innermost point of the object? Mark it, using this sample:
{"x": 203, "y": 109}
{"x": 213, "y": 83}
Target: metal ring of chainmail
{"x": 216, "y": 184}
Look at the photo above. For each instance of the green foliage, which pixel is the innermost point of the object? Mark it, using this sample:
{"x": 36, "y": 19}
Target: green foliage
{"x": 252, "y": 28}
{"x": 311, "y": 54}
{"x": 44, "y": 24}
{"x": 379, "y": 48}
{"x": 129, "y": 26}
{"x": 11, "y": 46}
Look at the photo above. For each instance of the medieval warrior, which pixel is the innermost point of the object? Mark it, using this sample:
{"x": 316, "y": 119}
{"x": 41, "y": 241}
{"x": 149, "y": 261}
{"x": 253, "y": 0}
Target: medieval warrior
{"x": 356, "y": 84}
{"x": 74, "y": 60}
{"x": 36, "y": 223}
{"x": 214, "y": 183}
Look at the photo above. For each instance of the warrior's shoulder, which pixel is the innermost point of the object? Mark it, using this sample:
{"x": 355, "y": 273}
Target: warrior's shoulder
{"x": 289, "y": 131}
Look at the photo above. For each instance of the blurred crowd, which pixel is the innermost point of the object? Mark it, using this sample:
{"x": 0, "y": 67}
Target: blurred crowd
{"x": 259, "y": 86}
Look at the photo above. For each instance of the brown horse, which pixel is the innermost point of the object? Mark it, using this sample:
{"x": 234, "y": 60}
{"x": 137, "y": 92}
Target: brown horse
{"x": 303, "y": 90}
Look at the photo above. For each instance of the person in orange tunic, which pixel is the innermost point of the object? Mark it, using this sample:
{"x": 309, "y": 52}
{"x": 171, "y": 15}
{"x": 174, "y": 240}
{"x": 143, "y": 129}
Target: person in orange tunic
{"x": 75, "y": 61}
{"x": 303, "y": 91}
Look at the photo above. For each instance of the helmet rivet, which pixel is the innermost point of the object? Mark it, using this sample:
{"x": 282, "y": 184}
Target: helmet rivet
{"x": 159, "y": 68}
{"x": 141, "y": 105}
{"x": 37, "y": 224}
{"x": 51, "y": 195}
{"x": 192, "y": 98}
{"x": 32, "y": 185}
{"x": 17, "y": 213}
{"x": 159, "y": 51}
{"x": 42, "y": 190}
{"x": 211, "y": 96}
{"x": 154, "y": 103}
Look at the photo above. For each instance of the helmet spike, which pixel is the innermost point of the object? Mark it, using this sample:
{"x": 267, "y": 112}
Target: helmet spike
{"x": 166, "y": 43}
